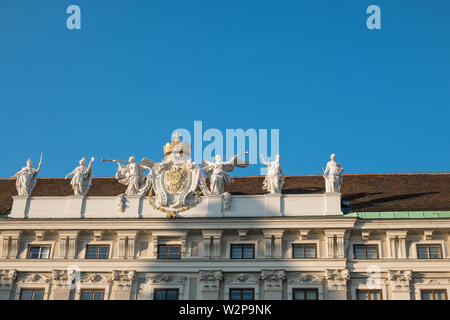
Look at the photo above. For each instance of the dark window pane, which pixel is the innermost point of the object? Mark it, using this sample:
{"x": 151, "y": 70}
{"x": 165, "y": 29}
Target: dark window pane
{"x": 103, "y": 252}
{"x": 422, "y": 252}
{"x": 435, "y": 252}
{"x": 98, "y": 295}
{"x": 160, "y": 295}
{"x": 362, "y": 295}
{"x": 248, "y": 252}
{"x": 299, "y": 294}
{"x": 375, "y": 295}
{"x": 440, "y": 295}
{"x": 372, "y": 252}
{"x": 310, "y": 251}
{"x": 236, "y": 252}
{"x": 235, "y": 295}
{"x": 172, "y": 294}
{"x": 163, "y": 252}
{"x": 427, "y": 295}
{"x": 37, "y": 295}
{"x": 311, "y": 295}
{"x": 86, "y": 295}
{"x": 247, "y": 294}
{"x": 360, "y": 252}
{"x": 26, "y": 294}
{"x": 298, "y": 251}
{"x": 91, "y": 252}
{"x": 174, "y": 252}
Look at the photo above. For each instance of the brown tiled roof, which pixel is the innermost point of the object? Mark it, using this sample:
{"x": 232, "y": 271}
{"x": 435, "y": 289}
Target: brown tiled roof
{"x": 366, "y": 192}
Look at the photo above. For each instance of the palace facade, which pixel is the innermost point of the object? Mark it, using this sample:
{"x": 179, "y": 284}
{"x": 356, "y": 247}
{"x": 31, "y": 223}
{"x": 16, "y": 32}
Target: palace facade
{"x": 387, "y": 236}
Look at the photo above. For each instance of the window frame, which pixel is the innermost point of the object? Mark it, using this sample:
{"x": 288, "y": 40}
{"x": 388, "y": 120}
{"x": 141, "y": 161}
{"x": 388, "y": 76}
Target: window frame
{"x": 305, "y": 289}
{"x": 166, "y": 289}
{"x": 365, "y": 251}
{"x": 241, "y": 289}
{"x": 242, "y": 251}
{"x": 168, "y": 252}
{"x": 368, "y": 293}
{"x": 304, "y": 245}
{"x": 93, "y": 290}
{"x": 38, "y": 245}
{"x": 434, "y": 293}
{"x": 108, "y": 254}
{"x": 33, "y": 290}
{"x": 428, "y": 245}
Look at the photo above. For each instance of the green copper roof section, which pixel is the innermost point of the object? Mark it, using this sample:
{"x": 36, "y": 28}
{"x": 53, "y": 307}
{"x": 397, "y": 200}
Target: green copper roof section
{"x": 400, "y": 215}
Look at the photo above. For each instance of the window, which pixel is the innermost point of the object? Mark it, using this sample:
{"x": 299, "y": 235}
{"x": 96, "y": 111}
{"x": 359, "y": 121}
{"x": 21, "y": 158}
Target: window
{"x": 97, "y": 252}
{"x": 31, "y": 294}
{"x": 305, "y": 294}
{"x": 429, "y": 251}
{"x": 242, "y": 294}
{"x": 434, "y": 294}
{"x": 38, "y": 252}
{"x": 242, "y": 251}
{"x": 368, "y": 295}
{"x": 92, "y": 294}
{"x": 304, "y": 251}
{"x": 169, "y": 252}
{"x": 165, "y": 294}
{"x": 362, "y": 251}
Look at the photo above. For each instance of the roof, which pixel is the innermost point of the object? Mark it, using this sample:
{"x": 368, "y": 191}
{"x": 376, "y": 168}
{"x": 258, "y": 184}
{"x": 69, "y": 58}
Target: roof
{"x": 387, "y": 192}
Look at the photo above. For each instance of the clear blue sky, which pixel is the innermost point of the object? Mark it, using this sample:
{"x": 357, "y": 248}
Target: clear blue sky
{"x": 139, "y": 69}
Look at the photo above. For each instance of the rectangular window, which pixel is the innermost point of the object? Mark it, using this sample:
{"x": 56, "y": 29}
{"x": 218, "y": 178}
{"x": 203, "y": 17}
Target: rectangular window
{"x": 304, "y": 251}
{"x": 97, "y": 252}
{"x": 429, "y": 251}
{"x": 242, "y": 294}
{"x": 165, "y": 294}
{"x": 242, "y": 251}
{"x": 362, "y": 251}
{"x": 38, "y": 252}
{"x": 305, "y": 294}
{"x": 368, "y": 295}
{"x": 91, "y": 294}
{"x": 31, "y": 294}
{"x": 169, "y": 252}
{"x": 434, "y": 294}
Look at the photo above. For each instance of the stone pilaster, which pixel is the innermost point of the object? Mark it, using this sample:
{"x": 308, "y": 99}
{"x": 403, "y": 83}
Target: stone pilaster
{"x": 122, "y": 284}
{"x": 7, "y": 279}
{"x": 209, "y": 281}
{"x": 337, "y": 283}
{"x": 400, "y": 284}
{"x": 273, "y": 283}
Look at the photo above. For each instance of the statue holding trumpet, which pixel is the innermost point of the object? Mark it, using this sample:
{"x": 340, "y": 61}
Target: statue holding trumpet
{"x": 217, "y": 174}
{"x": 132, "y": 174}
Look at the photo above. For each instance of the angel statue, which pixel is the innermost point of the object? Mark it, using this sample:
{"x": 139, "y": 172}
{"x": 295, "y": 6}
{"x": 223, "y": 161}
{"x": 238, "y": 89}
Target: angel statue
{"x": 274, "y": 179}
{"x": 27, "y": 178}
{"x": 333, "y": 181}
{"x": 132, "y": 175}
{"x": 216, "y": 172}
{"x": 82, "y": 178}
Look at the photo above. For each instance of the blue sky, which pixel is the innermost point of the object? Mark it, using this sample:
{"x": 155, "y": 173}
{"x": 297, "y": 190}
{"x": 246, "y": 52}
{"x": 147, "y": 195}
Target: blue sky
{"x": 137, "y": 70}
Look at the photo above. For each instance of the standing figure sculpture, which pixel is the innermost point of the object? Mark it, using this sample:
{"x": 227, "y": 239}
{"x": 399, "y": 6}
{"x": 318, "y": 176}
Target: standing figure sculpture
{"x": 333, "y": 181}
{"x": 132, "y": 175}
{"x": 274, "y": 179}
{"x": 217, "y": 174}
{"x": 82, "y": 178}
{"x": 27, "y": 178}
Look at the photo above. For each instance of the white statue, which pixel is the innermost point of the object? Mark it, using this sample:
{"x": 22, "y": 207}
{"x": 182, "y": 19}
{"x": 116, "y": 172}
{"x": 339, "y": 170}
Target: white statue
{"x": 132, "y": 175}
{"x": 333, "y": 181}
{"x": 27, "y": 178}
{"x": 217, "y": 172}
{"x": 82, "y": 178}
{"x": 274, "y": 180}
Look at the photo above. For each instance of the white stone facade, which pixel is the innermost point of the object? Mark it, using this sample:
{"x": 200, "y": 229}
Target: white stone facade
{"x": 272, "y": 223}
